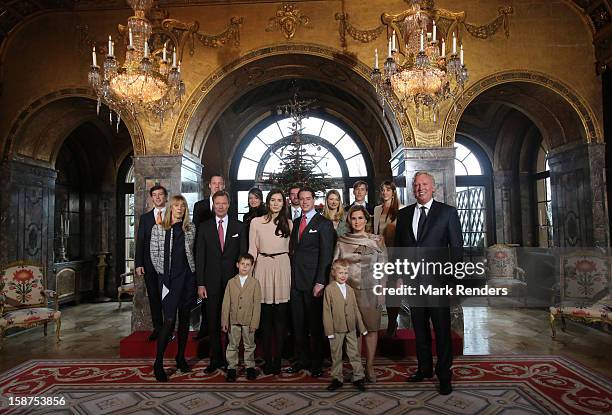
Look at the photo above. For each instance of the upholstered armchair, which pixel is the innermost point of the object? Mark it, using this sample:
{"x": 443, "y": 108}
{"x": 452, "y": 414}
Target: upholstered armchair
{"x": 583, "y": 293}
{"x": 24, "y": 299}
{"x": 125, "y": 287}
{"x": 503, "y": 270}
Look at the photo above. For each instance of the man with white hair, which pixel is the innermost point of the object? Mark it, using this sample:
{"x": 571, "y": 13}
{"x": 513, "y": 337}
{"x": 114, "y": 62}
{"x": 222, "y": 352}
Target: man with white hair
{"x": 430, "y": 224}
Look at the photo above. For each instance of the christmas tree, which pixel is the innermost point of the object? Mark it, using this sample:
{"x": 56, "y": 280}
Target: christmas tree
{"x": 298, "y": 165}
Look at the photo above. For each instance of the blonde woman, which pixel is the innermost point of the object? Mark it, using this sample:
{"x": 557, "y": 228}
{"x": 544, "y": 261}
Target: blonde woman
{"x": 385, "y": 219}
{"x": 334, "y": 211}
{"x": 173, "y": 260}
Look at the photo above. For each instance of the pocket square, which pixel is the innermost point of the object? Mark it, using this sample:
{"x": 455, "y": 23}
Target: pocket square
{"x": 313, "y": 231}
{"x": 235, "y": 236}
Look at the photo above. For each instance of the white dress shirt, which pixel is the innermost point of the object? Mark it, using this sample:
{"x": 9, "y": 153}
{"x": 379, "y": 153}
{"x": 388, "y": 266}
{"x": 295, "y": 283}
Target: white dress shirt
{"x": 243, "y": 279}
{"x": 417, "y": 214}
{"x": 162, "y": 210}
{"x": 296, "y": 212}
{"x": 342, "y": 289}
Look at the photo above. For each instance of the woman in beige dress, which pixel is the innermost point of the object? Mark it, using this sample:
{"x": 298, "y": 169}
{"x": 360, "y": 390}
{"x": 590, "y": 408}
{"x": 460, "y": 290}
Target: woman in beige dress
{"x": 334, "y": 211}
{"x": 269, "y": 245}
{"x": 363, "y": 250}
{"x": 385, "y": 219}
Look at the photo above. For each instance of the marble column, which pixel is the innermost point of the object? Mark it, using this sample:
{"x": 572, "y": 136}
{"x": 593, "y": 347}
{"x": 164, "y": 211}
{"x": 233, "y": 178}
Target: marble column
{"x": 178, "y": 174}
{"x": 27, "y": 201}
{"x": 502, "y": 189}
{"x": 439, "y": 161}
{"x": 578, "y": 195}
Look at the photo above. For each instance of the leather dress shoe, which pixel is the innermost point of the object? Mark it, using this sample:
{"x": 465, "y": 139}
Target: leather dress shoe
{"x": 181, "y": 364}
{"x": 160, "y": 373}
{"x": 316, "y": 373}
{"x": 295, "y": 368}
{"x": 231, "y": 375}
{"x": 419, "y": 377}
{"x": 212, "y": 368}
{"x": 251, "y": 373}
{"x": 335, "y": 384}
{"x": 445, "y": 387}
{"x": 154, "y": 335}
{"x": 360, "y": 385}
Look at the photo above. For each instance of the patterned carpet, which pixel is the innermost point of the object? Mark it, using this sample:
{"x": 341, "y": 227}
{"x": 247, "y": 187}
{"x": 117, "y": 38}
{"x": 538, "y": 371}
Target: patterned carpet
{"x": 482, "y": 385}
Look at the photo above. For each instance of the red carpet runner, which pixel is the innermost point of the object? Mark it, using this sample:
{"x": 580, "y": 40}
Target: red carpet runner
{"x": 482, "y": 385}
{"x": 137, "y": 345}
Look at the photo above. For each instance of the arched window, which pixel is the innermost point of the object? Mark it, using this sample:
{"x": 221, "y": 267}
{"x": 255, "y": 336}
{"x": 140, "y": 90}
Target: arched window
{"x": 544, "y": 222}
{"x": 331, "y": 147}
{"x": 474, "y": 196}
{"x": 126, "y": 222}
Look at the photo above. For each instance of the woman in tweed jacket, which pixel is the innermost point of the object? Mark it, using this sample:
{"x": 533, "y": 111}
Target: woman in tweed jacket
{"x": 173, "y": 260}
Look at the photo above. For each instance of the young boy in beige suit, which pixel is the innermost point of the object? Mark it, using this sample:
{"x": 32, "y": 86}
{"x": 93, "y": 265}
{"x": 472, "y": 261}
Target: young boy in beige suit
{"x": 341, "y": 318}
{"x": 240, "y": 314}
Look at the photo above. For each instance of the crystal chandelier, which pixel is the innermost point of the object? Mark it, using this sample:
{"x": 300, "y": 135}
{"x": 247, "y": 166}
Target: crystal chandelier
{"x": 423, "y": 73}
{"x": 147, "y": 82}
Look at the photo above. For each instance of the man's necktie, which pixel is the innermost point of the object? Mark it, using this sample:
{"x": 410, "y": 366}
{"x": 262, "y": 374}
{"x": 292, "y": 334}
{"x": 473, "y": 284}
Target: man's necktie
{"x": 221, "y": 236}
{"x": 296, "y": 213}
{"x": 303, "y": 225}
{"x": 421, "y": 225}
{"x": 158, "y": 219}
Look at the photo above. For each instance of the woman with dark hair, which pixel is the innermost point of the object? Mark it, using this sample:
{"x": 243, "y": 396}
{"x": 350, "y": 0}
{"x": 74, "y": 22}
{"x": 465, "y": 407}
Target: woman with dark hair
{"x": 385, "y": 219}
{"x": 334, "y": 211}
{"x": 256, "y": 205}
{"x": 362, "y": 250}
{"x": 172, "y": 256}
{"x": 269, "y": 245}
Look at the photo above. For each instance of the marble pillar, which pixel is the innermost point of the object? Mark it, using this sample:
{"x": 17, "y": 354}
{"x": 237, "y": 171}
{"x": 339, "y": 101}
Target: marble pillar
{"x": 505, "y": 217}
{"x": 577, "y": 175}
{"x": 179, "y": 175}
{"x": 27, "y": 202}
{"x": 439, "y": 161}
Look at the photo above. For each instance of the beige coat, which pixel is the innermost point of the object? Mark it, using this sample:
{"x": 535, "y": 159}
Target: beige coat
{"x": 384, "y": 227}
{"x": 241, "y": 305}
{"x": 340, "y": 315}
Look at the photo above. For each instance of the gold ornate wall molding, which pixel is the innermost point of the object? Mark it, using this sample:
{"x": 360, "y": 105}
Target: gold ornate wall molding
{"x": 26, "y": 118}
{"x": 287, "y": 19}
{"x": 446, "y": 20}
{"x": 346, "y": 27}
{"x": 336, "y": 59}
{"x": 593, "y": 132}
{"x": 178, "y": 33}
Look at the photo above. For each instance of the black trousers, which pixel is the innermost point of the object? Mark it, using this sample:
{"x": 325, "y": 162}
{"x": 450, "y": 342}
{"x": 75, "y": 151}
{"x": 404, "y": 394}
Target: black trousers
{"x": 440, "y": 318}
{"x": 155, "y": 304}
{"x": 203, "y": 323}
{"x": 307, "y": 314}
{"x": 213, "y": 320}
{"x": 274, "y": 330}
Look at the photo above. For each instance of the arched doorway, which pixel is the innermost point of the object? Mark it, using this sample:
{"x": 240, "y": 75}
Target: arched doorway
{"x": 512, "y": 116}
{"x": 62, "y": 162}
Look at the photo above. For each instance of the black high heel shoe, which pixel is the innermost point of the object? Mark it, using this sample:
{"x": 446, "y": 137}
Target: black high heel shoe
{"x": 160, "y": 373}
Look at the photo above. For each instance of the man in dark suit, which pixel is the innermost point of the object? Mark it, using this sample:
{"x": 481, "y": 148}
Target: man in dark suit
{"x": 220, "y": 242}
{"x": 203, "y": 211}
{"x": 312, "y": 250}
{"x": 142, "y": 260}
{"x": 430, "y": 224}
{"x": 360, "y": 191}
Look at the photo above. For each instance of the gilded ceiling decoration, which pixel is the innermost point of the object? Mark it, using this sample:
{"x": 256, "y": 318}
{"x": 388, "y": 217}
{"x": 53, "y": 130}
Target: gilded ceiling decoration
{"x": 287, "y": 20}
{"x": 446, "y": 20}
